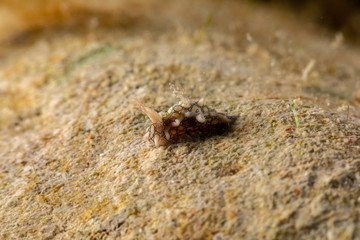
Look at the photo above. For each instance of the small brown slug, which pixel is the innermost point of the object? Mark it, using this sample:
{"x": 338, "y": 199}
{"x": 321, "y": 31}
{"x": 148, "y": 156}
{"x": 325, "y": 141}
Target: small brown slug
{"x": 184, "y": 119}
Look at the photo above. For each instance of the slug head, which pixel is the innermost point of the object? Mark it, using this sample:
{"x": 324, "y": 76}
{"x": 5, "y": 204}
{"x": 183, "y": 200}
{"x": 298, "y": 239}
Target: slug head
{"x": 155, "y": 134}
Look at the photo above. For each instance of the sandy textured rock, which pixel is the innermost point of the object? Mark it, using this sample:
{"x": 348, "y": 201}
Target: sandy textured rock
{"x": 73, "y": 164}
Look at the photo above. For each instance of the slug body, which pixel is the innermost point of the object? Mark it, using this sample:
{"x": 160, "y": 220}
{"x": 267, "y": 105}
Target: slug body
{"x": 189, "y": 119}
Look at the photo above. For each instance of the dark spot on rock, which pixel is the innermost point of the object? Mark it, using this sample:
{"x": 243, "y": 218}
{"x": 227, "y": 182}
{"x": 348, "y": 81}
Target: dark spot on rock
{"x": 345, "y": 181}
{"x": 312, "y": 180}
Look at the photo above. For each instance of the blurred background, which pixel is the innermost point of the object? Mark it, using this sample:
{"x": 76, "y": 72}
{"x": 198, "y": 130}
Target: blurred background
{"x": 18, "y": 16}
{"x": 339, "y": 16}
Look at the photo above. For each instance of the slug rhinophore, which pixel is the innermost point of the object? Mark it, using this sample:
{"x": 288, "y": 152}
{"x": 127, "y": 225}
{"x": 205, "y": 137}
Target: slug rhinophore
{"x": 184, "y": 119}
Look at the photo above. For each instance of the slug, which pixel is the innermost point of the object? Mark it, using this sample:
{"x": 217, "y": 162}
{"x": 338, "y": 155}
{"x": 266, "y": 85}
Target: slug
{"x": 184, "y": 120}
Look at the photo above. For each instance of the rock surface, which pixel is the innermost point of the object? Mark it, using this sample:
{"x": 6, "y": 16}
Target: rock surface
{"x": 73, "y": 164}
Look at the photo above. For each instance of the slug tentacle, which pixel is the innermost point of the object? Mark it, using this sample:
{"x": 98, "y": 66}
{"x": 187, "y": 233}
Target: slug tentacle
{"x": 196, "y": 119}
{"x": 153, "y": 115}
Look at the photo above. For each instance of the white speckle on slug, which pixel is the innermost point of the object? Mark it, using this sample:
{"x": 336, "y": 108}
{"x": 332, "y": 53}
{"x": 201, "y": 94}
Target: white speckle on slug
{"x": 178, "y": 108}
{"x": 190, "y": 114}
{"x": 167, "y": 135}
{"x": 176, "y": 123}
{"x": 175, "y": 115}
{"x": 186, "y": 105}
{"x": 200, "y": 118}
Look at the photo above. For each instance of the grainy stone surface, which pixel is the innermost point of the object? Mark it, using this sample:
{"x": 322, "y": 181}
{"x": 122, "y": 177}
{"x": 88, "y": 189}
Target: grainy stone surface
{"x": 73, "y": 164}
